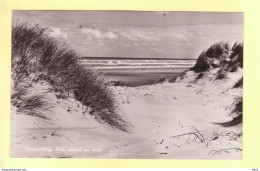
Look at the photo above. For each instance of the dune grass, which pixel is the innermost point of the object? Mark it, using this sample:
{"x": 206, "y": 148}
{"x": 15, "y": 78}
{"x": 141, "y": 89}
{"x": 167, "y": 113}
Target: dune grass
{"x": 219, "y": 55}
{"x": 198, "y": 77}
{"x": 202, "y": 63}
{"x": 239, "y": 83}
{"x": 221, "y": 74}
{"x": 237, "y": 112}
{"x": 30, "y": 104}
{"x": 37, "y": 56}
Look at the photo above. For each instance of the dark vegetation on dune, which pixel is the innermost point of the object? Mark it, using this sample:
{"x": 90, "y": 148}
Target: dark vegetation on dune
{"x": 239, "y": 83}
{"x": 237, "y": 113}
{"x": 38, "y": 57}
{"x": 199, "y": 76}
{"x": 141, "y": 83}
{"x": 225, "y": 59}
{"x": 220, "y": 56}
{"x": 29, "y": 104}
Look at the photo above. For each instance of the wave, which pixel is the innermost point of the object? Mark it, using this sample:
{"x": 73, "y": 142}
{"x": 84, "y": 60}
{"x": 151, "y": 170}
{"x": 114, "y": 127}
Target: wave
{"x": 139, "y": 63}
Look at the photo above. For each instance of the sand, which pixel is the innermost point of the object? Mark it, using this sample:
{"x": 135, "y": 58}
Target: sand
{"x": 168, "y": 121}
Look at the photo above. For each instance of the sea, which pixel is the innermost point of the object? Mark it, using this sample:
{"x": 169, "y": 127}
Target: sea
{"x": 138, "y": 71}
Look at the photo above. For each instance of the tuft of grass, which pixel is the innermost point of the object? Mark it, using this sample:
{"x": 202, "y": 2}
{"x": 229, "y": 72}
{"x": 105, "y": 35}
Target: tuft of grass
{"x": 218, "y": 50}
{"x": 29, "y": 104}
{"x": 199, "y": 76}
{"x": 194, "y": 136}
{"x": 236, "y": 57}
{"x": 181, "y": 76}
{"x": 202, "y": 63}
{"x": 215, "y": 56}
{"x": 36, "y": 56}
{"x": 120, "y": 83}
{"x": 238, "y": 109}
{"x": 220, "y": 55}
{"x": 237, "y": 112}
{"x": 143, "y": 82}
{"x": 239, "y": 83}
{"x": 221, "y": 74}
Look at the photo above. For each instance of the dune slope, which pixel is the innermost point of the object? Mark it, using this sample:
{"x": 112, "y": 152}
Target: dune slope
{"x": 169, "y": 120}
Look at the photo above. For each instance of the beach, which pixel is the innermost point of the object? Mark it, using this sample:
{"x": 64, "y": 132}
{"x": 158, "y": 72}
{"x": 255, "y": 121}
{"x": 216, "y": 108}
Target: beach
{"x": 168, "y": 120}
{"x": 136, "y": 72}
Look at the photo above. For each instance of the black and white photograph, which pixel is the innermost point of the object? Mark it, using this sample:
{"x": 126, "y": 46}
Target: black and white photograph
{"x": 126, "y": 84}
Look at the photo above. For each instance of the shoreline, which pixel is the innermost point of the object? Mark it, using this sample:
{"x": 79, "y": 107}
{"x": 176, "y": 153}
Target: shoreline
{"x": 133, "y": 58}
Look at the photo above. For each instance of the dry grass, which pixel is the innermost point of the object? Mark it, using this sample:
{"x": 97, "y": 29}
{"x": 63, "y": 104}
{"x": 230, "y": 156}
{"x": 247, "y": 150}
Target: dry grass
{"x": 194, "y": 136}
{"x": 238, "y": 106}
{"x": 221, "y": 74}
{"x": 237, "y": 113}
{"x": 181, "y": 76}
{"x": 219, "y": 55}
{"x": 202, "y": 63}
{"x": 198, "y": 77}
{"x": 239, "y": 83}
{"x": 218, "y": 50}
{"x": 225, "y": 150}
{"x": 236, "y": 57}
{"x": 30, "y": 104}
{"x": 36, "y": 56}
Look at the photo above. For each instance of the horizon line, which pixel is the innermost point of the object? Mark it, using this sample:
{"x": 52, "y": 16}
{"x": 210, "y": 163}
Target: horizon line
{"x": 135, "y": 58}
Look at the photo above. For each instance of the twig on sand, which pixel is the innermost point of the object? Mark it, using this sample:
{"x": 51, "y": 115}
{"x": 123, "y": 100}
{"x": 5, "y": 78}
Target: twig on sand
{"x": 177, "y": 145}
{"x": 161, "y": 141}
{"x": 180, "y": 124}
{"x": 196, "y": 136}
{"x": 54, "y": 134}
{"x": 157, "y": 141}
{"x": 231, "y": 135}
{"x": 163, "y": 153}
{"x": 147, "y": 94}
{"x": 227, "y": 150}
{"x": 196, "y": 133}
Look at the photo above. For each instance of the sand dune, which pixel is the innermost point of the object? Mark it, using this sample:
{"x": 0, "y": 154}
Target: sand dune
{"x": 168, "y": 120}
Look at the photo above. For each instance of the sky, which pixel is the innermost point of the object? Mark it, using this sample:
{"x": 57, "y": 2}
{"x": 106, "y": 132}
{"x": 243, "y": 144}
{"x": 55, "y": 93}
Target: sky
{"x": 138, "y": 34}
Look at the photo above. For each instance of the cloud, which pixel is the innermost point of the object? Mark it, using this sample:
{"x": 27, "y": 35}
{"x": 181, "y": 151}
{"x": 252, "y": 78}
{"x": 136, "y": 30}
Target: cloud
{"x": 169, "y": 42}
{"x": 144, "y": 35}
{"x": 110, "y": 35}
{"x": 98, "y": 34}
{"x": 179, "y": 37}
{"x": 56, "y": 32}
{"x": 128, "y": 36}
{"x": 91, "y": 32}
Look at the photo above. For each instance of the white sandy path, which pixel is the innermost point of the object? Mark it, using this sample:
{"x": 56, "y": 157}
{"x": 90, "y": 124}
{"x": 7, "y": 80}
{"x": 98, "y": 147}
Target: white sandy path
{"x": 156, "y": 113}
{"x": 161, "y": 111}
